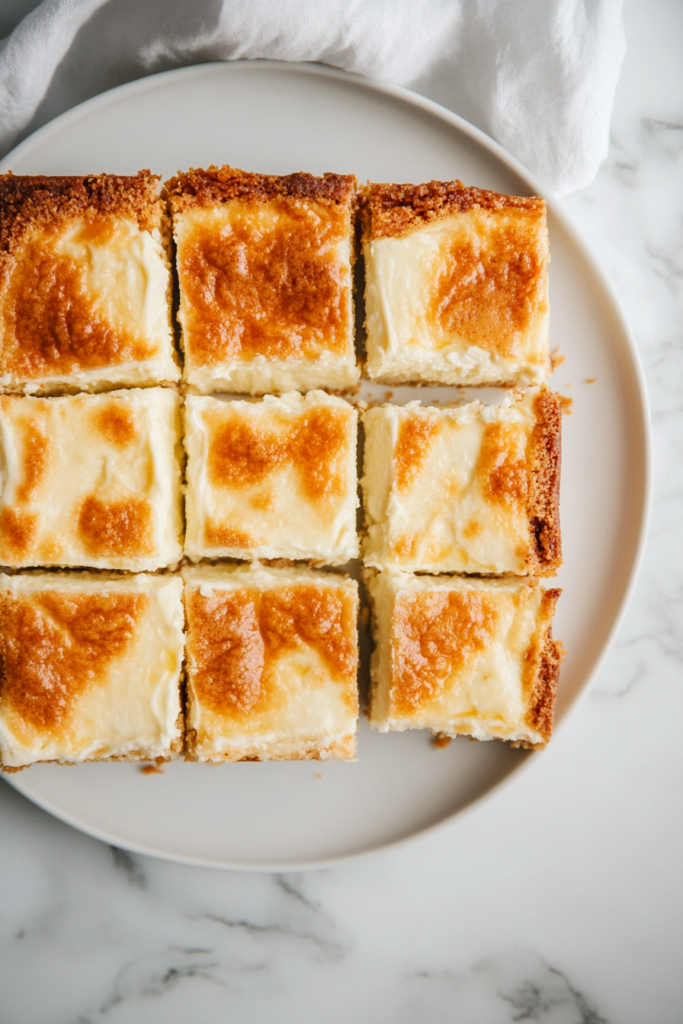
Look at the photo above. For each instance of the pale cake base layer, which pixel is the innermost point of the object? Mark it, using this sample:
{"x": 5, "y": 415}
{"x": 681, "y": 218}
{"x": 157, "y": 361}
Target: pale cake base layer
{"x": 463, "y": 657}
{"x": 92, "y": 668}
{"x": 271, "y": 664}
{"x": 262, "y": 376}
{"x": 277, "y": 749}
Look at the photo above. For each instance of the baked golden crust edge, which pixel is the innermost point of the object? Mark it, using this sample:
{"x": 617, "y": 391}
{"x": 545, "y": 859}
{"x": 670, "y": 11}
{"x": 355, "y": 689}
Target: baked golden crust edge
{"x": 544, "y": 458}
{"x": 206, "y": 187}
{"x": 390, "y": 210}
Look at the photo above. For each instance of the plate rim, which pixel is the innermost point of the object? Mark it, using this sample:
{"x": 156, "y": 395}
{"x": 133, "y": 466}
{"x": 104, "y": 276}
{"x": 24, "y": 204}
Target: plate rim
{"x": 413, "y": 99}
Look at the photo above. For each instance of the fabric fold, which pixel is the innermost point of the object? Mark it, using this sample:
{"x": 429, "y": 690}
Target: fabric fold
{"x": 537, "y": 75}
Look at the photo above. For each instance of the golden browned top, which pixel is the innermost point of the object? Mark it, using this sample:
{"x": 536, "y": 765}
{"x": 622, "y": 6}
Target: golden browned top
{"x": 235, "y": 637}
{"x": 35, "y": 448}
{"x": 433, "y": 634}
{"x": 395, "y": 210}
{"x": 54, "y": 646}
{"x": 198, "y": 187}
{"x": 116, "y": 423}
{"x": 416, "y": 435}
{"x": 123, "y": 528}
{"x": 28, "y": 202}
{"x": 502, "y": 465}
{"x": 267, "y": 278}
{"x": 490, "y": 288}
{"x": 544, "y": 458}
{"x": 244, "y": 450}
{"x": 18, "y": 534}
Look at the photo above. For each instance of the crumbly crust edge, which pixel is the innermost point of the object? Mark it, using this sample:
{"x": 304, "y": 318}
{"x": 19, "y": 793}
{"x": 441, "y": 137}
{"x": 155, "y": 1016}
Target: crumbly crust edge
{"x": 31, "y": 201}
{"x": 391, "y": 210}
{"x": 544, "y": 659}
{"x": 544, "y": 458}
{"x": 213, "y": 185}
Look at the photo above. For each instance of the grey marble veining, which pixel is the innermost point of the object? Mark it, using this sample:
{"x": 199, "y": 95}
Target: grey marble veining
{"x": 559, "y": 901}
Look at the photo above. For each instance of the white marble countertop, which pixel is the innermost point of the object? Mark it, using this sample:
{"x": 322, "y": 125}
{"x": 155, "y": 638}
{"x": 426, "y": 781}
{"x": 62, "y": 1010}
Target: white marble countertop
{"x": 557, "y": 901}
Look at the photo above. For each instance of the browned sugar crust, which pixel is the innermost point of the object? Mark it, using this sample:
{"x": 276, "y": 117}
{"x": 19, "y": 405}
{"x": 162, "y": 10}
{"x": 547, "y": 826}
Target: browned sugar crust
{"x": 544, "y": 459}
{"x": 543, "y": 667}
{"x": 198, "y": 187}
{"x": 395, "y": 210}
{"x": 30, "y": 201}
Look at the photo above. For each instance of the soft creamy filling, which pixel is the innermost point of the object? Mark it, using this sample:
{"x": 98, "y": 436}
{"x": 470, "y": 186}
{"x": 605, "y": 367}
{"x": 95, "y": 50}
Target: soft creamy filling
{"x": 127, "y": 277}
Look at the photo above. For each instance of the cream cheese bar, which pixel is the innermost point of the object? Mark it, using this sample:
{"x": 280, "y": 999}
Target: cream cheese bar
{"x": 271, "y": 479}
{"x": 471, "y": 488}
{"x": 91, "y": 480}
{"x": 464, "y": 657}
{"x": 456, "y": 285}
{"x": 264, "y": 269}
{"x": 90, "y": 668}
{"x": 85, "y": 284}
{"x": 272, "y": 657}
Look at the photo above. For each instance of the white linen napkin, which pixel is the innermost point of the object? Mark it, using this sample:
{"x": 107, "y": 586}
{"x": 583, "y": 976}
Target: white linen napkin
{"x": 537, "y": 75}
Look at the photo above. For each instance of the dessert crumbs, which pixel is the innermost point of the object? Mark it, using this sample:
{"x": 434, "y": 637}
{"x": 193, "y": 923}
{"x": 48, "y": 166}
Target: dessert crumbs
{"x": 152, "y": 769}
{"x": 440, "y": 740}
{"x": 556, "y": 358}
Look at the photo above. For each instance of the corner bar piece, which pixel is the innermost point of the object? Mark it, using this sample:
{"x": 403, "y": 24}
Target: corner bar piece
{"x": 272, "y": 479}
{"x": 464, "y": 657}
{"x": 85, "y": 284}
{"x": 89, "y": 668}
{"x": 473, "y": 488}
{"x": 456, "y": 285}
{"x": 272, "y": 657}
{"x": 91, "y": 480}
{"x": 264, "y": 268}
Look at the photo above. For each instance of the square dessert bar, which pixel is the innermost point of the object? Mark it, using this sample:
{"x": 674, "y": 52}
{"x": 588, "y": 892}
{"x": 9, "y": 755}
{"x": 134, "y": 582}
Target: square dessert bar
{"x": 272, "y": 657}
{"x": 272, "y": 479}
{"x": 464, "y": 656}
{"x": 471, "y": 489}
{"x": 264, "y": 267}
{"x": 91, "y": 480}
{"x": 456, "y": 285}
{"x": 85, "y": 284}
{"x": 90, "y": 668}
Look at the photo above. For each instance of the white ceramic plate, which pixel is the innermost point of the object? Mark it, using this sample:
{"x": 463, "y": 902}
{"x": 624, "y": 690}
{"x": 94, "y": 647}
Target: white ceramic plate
{"x": 278, "y": 118}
